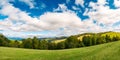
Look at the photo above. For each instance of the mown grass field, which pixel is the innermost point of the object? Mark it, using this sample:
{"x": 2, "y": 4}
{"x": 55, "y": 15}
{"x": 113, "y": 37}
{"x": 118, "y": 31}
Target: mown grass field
{"x": 108, "y": 51}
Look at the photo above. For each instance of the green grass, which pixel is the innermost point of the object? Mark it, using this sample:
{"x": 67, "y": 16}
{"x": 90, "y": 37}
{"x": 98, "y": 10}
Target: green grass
{"x": 57, "y": 41}
{"x": 108, "y": 51}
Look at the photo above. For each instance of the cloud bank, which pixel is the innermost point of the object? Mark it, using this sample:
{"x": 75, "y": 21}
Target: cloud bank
{"x": 65, "y": 23}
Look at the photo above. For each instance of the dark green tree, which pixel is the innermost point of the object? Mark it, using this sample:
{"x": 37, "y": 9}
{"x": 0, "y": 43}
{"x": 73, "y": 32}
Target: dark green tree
{"x": 52, "y": 45}
{"x": 35, "y": 43}
{"x": 80, "y": 44}
{"x": 101, "y": 40}
{"x": 71, "y": 42}
{"x": 115, "y": 38}
{"x": 16, "y": 43}
{"x": 94, "y": 39}
{"x": 43, "y": 44}
{"x": 107, "y": 38}
{"x": 27, "y": 43}
{"x": 87, "y": 40}
{"x": 4, "y": 41}
{"x": 61, "y": 45}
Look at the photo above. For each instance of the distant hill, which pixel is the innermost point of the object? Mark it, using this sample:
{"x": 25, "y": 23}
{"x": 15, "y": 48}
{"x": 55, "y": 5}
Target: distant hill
{"x": 80, "y": 36}
{"x": 59, "y": 39}
{"x": 15, "y": 38}
{"x": 47, "y": 38}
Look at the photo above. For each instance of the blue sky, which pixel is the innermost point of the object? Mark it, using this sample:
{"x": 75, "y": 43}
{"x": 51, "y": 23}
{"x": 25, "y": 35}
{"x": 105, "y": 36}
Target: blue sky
{"x": 48, "y": 18}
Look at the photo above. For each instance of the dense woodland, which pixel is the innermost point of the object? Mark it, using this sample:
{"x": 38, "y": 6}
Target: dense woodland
{"x": 70, "y": 42}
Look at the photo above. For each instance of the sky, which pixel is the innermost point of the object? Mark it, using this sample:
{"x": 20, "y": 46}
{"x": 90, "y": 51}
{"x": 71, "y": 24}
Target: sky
{"x": 54, "y": 18}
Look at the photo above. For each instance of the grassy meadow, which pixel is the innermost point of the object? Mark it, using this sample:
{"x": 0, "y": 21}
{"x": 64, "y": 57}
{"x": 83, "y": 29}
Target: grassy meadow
{"x": 108, "y": 51}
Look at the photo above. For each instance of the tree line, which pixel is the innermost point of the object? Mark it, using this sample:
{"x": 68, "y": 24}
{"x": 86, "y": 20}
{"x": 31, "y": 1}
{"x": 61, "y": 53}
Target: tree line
{"x": 70, "y": 42}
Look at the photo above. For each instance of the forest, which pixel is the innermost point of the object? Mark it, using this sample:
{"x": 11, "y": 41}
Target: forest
{"x": 70, "y": 42}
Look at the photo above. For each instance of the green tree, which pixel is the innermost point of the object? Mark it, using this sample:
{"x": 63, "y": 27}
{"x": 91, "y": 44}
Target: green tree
{"x": 71, "y": 42}
{"x": 4, "y": 41}
{"x": 115, "y": 38}
{"x": 61, "y": 45}
{"x": 107, "y": 38}
{"x": 80, "y": 44}
{"x": 87, "y": 40}
{"x": 16, "y": 43}
{"x": 35, "y": 43}
{"x": 52, "y": 46}
{"x": 94, "y": 39}
{"x": 43, "y": 44}
{"x": 27, "y": 43}
{"x": 101, "y": 40}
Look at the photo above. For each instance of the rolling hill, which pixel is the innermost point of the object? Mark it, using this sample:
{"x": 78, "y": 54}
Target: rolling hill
{"x": 80, "y": 36}
{"x": 108, "y": 51}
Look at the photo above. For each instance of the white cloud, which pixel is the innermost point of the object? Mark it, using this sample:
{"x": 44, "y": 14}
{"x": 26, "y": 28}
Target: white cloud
{"x": 13, "y": 34}
{"x": 101, "y": 2}
{"x": 79, "y": 2}
{"x": 19, "y": 21}
{"x": 117, "y": 3}
{"x": 103, "y": 14}
{"x": 61, "y": 7}
{"x": 60, "y": 20}
{"x": 75, "y": 8}
{"x": 29, "y": 2}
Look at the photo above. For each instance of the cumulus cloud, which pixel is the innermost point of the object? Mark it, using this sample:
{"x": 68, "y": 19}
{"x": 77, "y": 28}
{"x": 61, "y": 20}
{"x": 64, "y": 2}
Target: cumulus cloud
{"x": 103, "y": 14}
{"x": 60, "y": 20}
{"x": 21, "y": 21}
{"x": 58, "y": 24}
{"x": 61, "y": 7}
{"x": 117, "y": 3}
{"x": 79, "y": 2}
{"x": 75, "y": 8}
{"x": 17, "y": 20}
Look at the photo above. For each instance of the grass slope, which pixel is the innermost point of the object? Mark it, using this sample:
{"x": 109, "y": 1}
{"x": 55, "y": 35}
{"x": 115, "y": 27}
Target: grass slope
{"x": 108, "y": 51}
{"x": 57, "y": 41}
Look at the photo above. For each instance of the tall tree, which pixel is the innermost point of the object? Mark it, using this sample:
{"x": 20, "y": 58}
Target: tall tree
{"x": 61, "y": 45}
{"x": 16, "y": 43}
{"x": 107, "y": 38}
{"x": 4, "y": 41}
{"x": 71, "y": 42}
{"x": 115, "y": 38}
{"x": 94, "y": 39}
{"x": 27, "y": 43}
{"x": 52, "y": 45}
{"x": 87, "y": 40}
{"x": 80, "y": 44}
{"x": 35, "y": 43}
{"x": 101, "y": 40}
{"x": 43, "y": 44}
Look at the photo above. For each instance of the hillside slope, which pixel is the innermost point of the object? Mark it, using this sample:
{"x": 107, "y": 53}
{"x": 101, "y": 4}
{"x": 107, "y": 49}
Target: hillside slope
{"x": 108, "y": 51}
{"x": 80, "y": 36}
